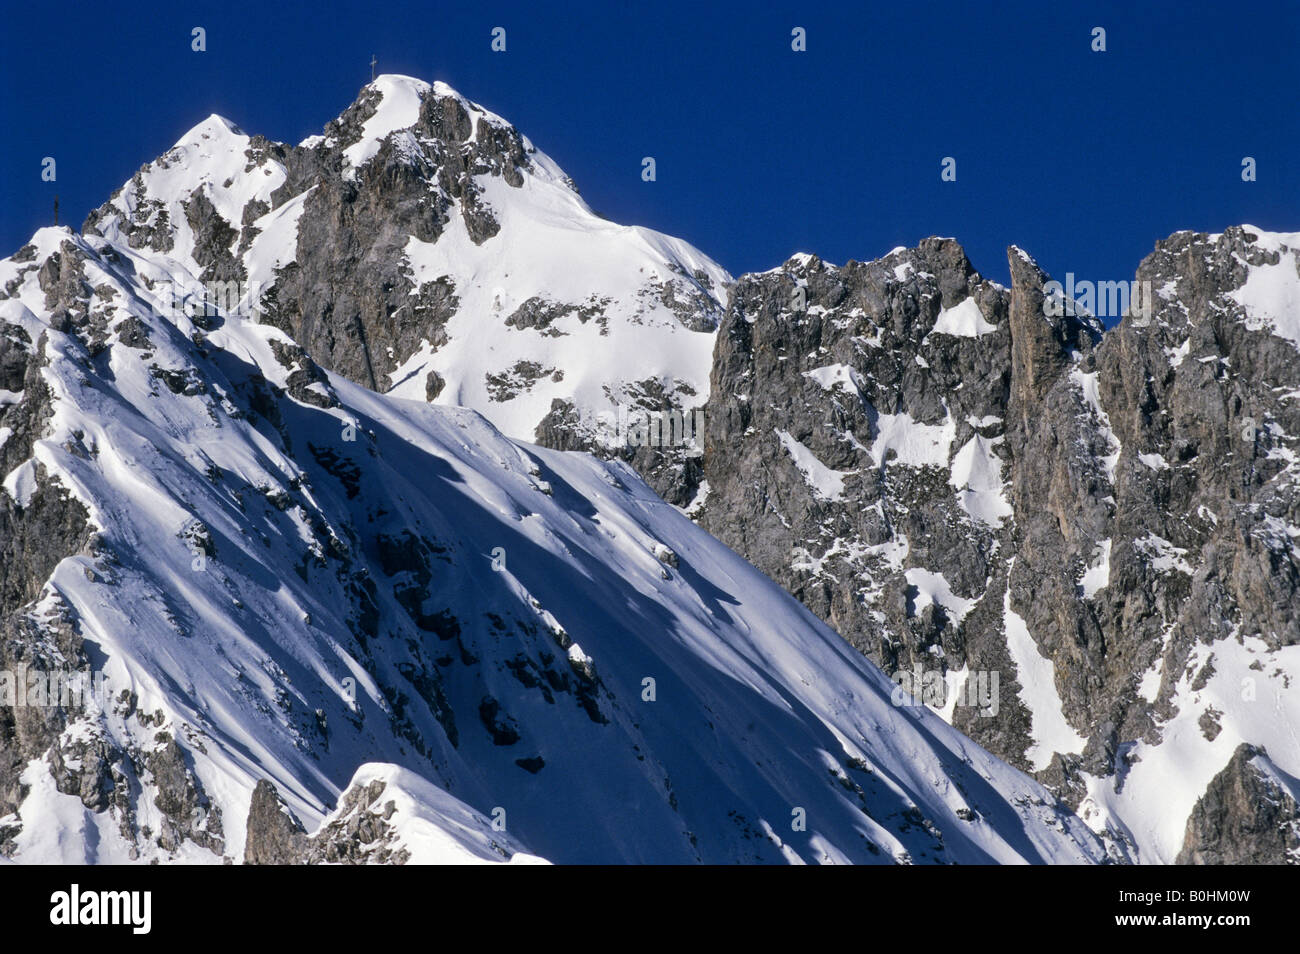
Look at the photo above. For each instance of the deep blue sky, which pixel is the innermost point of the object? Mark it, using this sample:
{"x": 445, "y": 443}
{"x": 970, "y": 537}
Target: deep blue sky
{"x": 1085, "y": 159}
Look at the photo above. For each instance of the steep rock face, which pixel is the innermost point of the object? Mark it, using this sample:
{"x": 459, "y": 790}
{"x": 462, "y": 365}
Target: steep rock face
{"x": 1248, "y": 816}
{"x": 829, "y": 431}
{"x": 275, "y": 836}
{"x": 857, "y": 451}
{"x": 967, "y": 480}
{"x": 1060, "y": 454}
{"x": 1198, "y": 610}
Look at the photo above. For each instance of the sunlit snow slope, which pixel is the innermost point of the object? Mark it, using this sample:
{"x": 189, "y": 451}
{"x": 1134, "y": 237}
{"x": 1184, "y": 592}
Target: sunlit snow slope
{"x": 289, "y": 577}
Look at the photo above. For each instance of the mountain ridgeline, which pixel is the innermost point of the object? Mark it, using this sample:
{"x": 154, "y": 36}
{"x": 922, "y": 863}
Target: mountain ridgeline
{"x": 340, "y": 624}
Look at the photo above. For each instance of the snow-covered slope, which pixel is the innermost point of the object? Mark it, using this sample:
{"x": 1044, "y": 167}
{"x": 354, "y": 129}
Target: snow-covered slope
{"x": 288, "y": 577}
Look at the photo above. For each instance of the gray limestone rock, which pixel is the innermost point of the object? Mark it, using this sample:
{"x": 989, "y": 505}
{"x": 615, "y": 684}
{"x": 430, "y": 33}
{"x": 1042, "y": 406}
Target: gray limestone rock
{"x": 1248, "y": 816}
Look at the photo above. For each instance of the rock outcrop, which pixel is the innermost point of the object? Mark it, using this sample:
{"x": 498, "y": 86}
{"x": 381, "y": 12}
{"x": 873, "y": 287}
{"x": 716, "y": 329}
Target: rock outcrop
{"x": 970, "y": 479}
{"x": 1248, "y": 816}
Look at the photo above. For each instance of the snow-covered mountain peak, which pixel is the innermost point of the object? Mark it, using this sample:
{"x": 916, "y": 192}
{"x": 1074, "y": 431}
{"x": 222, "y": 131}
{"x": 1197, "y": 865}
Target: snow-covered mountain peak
{"x": 214, "y": 127}
{"x": 422, "y": 245}
{"x": 390, "y": 104}
{"x": 409, "y": 110}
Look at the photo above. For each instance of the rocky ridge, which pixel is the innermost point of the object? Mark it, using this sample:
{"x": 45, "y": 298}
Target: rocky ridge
{"x": 967, "y": 479}
{"x": 962, "y": 479}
